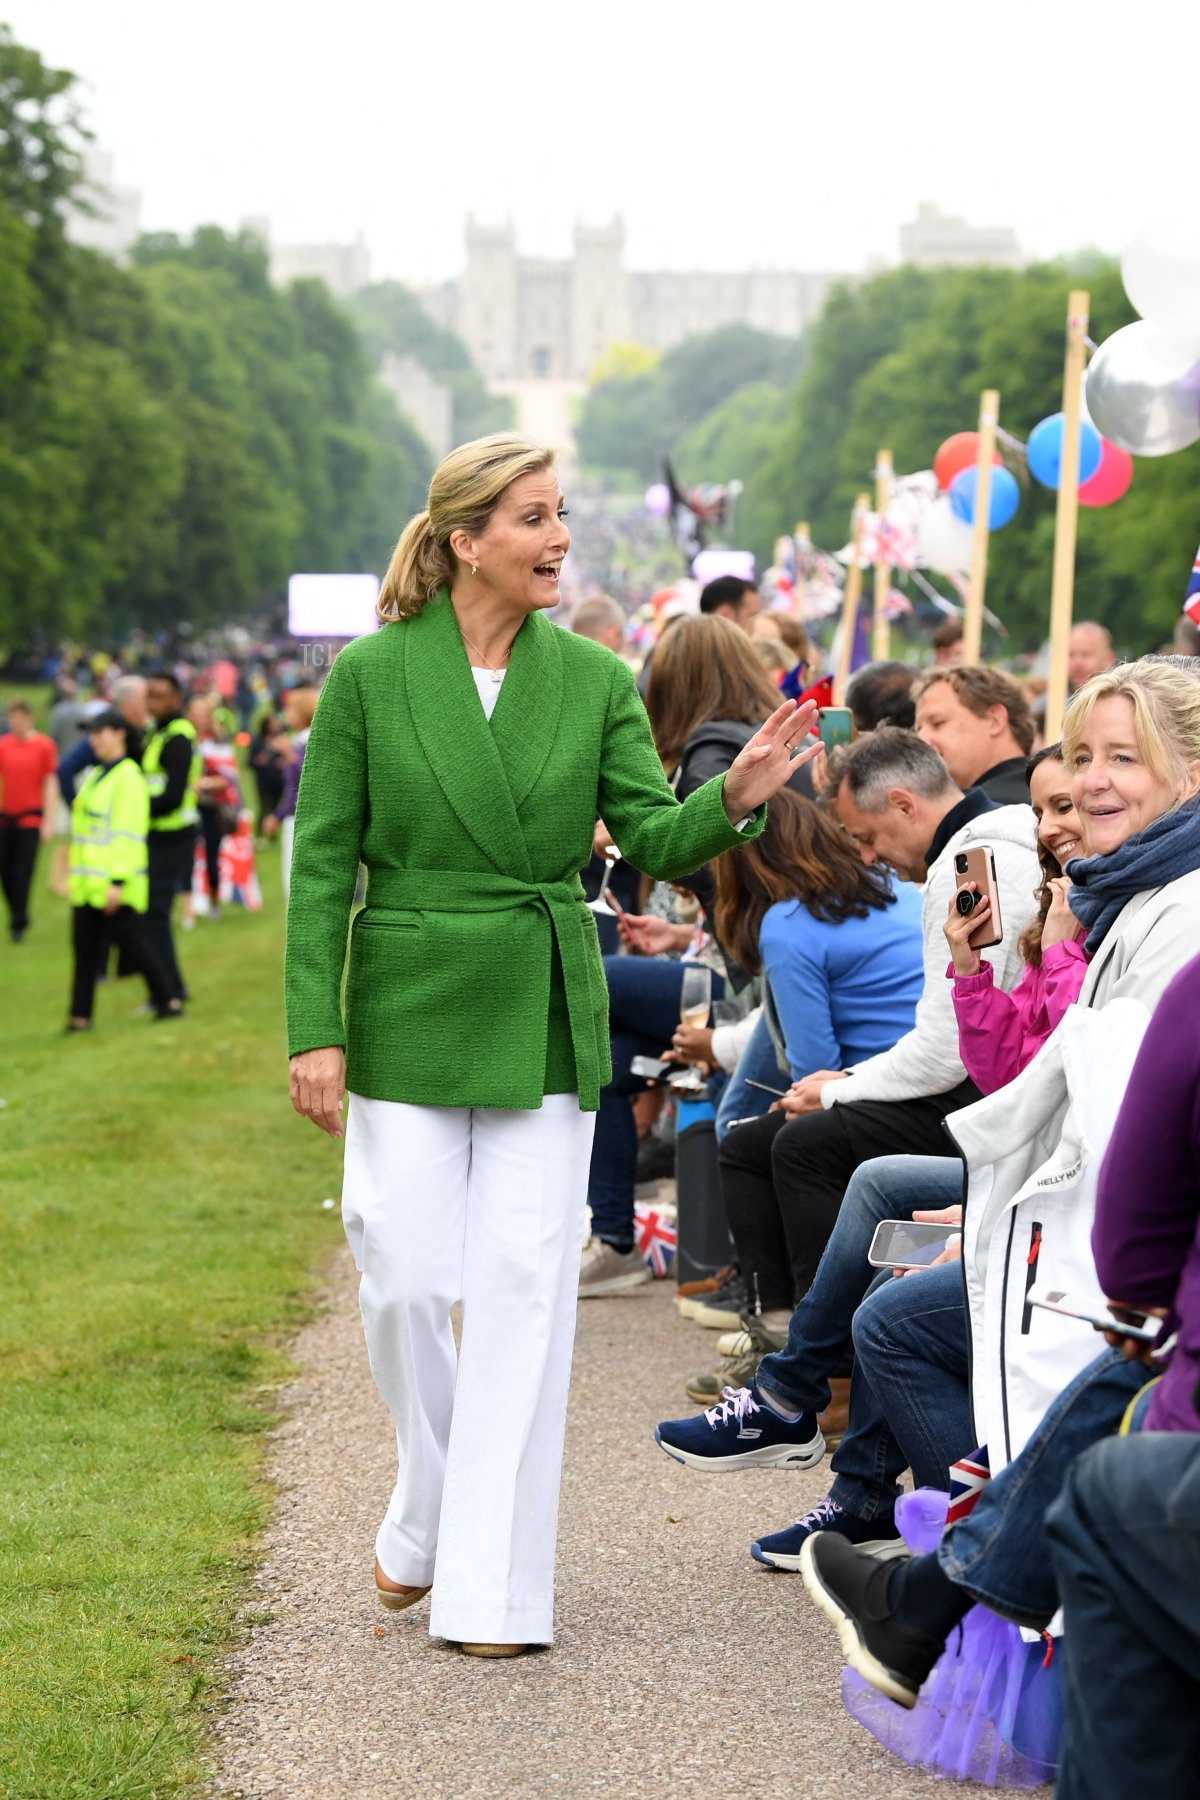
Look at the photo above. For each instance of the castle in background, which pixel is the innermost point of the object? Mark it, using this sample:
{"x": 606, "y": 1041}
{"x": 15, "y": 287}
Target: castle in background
{"x": 531, "y": 319}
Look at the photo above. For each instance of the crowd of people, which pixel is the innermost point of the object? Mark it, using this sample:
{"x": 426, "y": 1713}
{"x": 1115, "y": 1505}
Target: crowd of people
{"x": 1013, "y": 1071}
{"x": 133, "y": 787}
{"x": 952, "y": 984}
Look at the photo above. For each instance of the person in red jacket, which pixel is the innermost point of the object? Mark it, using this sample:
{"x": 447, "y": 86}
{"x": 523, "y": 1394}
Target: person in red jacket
{"x": 28, "y": 760}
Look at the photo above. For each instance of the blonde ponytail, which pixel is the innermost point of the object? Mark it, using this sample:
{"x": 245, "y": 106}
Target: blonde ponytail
{"x": 419, "y": 567}
{"x": 462, "y": 497}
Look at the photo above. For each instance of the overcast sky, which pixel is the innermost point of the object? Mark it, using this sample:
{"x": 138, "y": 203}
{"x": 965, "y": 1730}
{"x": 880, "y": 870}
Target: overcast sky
{"x": 772, "y": 132}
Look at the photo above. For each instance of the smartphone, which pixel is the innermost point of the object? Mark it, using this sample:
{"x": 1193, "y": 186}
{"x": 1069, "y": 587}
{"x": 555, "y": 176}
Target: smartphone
{"x": 764, "y": 1089}
{"x": 653, "y": 1068}
{"x": 835, "y": 725}
{"x": 749, "y": 1119}
{"x": 907, "y": 1244}
{"x": 978, "y": 865}
{"x": 1137, "y": 1325}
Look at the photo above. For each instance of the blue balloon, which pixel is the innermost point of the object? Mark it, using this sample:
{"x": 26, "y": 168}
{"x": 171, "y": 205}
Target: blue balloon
{"x": 1002, "y": 503}
{"x": 1043, "y": 452}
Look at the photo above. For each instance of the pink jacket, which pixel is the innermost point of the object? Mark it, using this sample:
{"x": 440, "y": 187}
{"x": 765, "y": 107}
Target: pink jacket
{"x": 999, "y": 1033}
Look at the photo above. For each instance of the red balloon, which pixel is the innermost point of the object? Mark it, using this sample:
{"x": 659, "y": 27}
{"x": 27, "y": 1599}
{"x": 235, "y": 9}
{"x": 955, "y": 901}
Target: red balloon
{"x": 1111, "y": 479}
{"x": 957, "y": 453}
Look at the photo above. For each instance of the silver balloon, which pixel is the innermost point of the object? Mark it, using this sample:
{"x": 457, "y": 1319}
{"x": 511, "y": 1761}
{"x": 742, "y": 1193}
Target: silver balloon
{"x": 1143, "y": 390}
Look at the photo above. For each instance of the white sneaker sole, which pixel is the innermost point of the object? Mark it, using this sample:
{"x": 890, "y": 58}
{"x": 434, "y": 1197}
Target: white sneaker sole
{"x": 774, "y": 1456}
{"x": 616, "y": 1284}
{"x": 853, "y": 1649}
{"x": 882, "y": 1549}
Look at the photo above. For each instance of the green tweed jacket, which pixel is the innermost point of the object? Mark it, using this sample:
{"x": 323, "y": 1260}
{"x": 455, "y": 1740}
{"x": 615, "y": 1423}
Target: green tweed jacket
{"x": 474, "y": 975}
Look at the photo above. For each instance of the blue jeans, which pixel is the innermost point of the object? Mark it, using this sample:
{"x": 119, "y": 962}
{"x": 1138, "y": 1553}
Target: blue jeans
{"x": 643, "y": 1002}
{"x": 758, "y": 1061}
{"x": 869, "y": 1461}
{"x": 1124, "y": 1535}
{"x": 1000, "y": 1553}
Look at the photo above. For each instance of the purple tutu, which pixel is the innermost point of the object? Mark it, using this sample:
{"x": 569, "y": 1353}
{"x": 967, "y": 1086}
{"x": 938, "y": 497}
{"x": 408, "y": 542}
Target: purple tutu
{"x": 991, "y": 1710}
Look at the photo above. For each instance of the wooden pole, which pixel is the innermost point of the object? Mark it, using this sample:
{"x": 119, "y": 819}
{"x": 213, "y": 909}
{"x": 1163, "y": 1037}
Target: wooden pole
{"x": 989, "y": 418}
{"x": 850, "y": 599}
{"x": 1062, "y": 589}
{"x": 881, "y": 631}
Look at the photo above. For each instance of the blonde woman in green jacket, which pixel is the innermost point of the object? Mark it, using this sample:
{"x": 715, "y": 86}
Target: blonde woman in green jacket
{"x": 463, "y": 753}
{"x": 107, "y": 880}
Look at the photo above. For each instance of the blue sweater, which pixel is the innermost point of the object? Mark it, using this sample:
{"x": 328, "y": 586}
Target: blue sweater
{"x": 847, "y": 991}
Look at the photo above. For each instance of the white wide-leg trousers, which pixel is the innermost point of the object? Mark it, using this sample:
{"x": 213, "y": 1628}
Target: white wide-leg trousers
{"x": 486, "y": 1207}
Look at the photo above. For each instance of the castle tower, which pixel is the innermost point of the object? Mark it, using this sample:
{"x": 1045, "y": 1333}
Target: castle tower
{"x": 487, "y": 300}
{"x": 600, "y": 312}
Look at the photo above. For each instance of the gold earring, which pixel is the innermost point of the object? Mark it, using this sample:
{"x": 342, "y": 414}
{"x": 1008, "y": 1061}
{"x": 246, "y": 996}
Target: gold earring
{"x": 474, "y": 570}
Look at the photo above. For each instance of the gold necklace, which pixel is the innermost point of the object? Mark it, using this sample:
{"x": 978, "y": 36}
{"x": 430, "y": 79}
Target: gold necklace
{"x": 496, "y": 673}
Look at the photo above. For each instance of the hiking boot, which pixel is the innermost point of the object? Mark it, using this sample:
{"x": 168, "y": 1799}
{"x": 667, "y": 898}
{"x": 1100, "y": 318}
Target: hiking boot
{"x": 739, "y": 1433}
{"x": 604, "y": 1270}
{"x": 772, "y": 1330}
{"x": 878, "y": 1537}
{"x": 690, "y": 1290}
{"x": 851, "y": 1589}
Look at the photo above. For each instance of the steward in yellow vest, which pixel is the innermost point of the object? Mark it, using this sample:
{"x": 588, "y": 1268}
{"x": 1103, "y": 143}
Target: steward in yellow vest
{"x": 172, "y": 765}
{"x": 107, "y": 880}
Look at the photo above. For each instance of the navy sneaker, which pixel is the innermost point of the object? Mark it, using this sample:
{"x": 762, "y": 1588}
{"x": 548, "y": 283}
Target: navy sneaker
{"x": 851, "y": 1589}
{"x": 879, "y": 1537}
{"x": 738, "y": 1433}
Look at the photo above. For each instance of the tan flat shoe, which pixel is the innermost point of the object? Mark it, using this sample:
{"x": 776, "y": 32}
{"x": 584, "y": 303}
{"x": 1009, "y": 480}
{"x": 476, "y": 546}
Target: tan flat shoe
{"x": 396, "y": 1596}
{"x": 493, "y": 1649}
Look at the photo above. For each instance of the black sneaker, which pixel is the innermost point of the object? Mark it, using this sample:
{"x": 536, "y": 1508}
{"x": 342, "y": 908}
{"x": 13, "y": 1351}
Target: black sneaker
{"x": 851, "y": 1588}
{"x": 721, "y": 1311}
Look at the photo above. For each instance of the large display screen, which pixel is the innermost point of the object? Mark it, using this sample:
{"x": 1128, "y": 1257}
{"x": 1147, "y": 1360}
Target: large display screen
{"x": 332, "y": 606}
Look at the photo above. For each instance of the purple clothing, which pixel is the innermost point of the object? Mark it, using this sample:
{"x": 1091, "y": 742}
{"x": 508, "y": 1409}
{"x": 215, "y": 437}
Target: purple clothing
{"x": 291, "y": 778}
{"x": 1146, "y": 1236}
{"x": 999, "y": 1033}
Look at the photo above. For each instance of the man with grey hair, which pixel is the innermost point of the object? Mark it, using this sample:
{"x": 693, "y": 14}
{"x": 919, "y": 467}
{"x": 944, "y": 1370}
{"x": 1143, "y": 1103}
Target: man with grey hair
{"x": 602, "y": 620}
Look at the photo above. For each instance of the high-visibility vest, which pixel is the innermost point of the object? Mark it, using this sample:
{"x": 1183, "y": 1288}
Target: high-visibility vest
{"x": 187, "y": 812}
{"x": 110, "y": 818}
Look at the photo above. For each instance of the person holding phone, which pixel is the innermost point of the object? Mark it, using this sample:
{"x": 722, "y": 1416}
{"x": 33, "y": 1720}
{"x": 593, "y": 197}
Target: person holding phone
{"x": 998, "y": 1032}
{"x": 460, "y": 753}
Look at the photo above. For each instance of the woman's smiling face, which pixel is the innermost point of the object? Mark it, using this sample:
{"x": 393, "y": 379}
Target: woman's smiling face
{"x": 1058, "y": 826}
{"x": 520, "y": 552}
{"x": 1116, "y": 793}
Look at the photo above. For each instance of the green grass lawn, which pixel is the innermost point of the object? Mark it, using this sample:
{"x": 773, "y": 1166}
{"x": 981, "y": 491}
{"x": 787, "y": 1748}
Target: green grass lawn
{"x": 161, "y": 1213}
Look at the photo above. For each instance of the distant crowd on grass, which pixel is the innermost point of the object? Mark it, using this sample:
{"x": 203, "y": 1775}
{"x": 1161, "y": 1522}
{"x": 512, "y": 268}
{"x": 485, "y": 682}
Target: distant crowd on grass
{"x": 137, "y": 786}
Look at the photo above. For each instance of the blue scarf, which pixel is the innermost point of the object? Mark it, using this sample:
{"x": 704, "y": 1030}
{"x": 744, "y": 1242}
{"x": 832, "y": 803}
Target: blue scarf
{"x": 1102, "y": 885}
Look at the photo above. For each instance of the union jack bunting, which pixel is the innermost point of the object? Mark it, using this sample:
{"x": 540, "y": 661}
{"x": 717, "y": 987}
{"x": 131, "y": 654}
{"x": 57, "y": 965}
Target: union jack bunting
{"x": 1191, "y": 598}
{"x": 655, "y": 1239}
{"x": 968, "y": 1478}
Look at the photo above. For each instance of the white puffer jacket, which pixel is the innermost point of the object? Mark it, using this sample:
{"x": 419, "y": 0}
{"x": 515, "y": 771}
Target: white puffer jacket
{"x": 1033, "y": 1153}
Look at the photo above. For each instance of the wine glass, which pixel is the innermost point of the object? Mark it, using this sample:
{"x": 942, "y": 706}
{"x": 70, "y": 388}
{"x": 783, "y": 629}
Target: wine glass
{"x": 695, "y": 1004}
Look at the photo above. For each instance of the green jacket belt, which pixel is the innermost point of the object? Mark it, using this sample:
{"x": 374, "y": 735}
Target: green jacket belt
{"x": 474, "y": 976}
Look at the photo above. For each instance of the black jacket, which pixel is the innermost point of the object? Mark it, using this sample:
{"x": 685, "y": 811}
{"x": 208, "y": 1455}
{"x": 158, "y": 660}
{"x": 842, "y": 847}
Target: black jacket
{"x": 1006, "y": 783}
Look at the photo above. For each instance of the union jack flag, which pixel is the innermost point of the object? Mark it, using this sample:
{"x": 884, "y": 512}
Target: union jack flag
{"x": 1191, "y": 598}
{"x": 968, "y": 1478}
{"x": 655, "y": 1239}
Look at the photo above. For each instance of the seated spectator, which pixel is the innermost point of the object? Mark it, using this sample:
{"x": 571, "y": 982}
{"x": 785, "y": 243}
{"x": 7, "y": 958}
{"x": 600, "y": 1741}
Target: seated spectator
{"x": 708, "y": 695}
{"x": 999, "y": 1033}
{"x": 881, "y": 694}
{"x": 841, "y": 948}
{"x": 979, "y": 722}
{"x": 1046, "y": 1516}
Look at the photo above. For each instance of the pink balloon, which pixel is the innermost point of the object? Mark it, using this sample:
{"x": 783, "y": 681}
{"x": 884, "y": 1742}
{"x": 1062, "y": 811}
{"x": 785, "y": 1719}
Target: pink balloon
{"x": 1111, "y": 479}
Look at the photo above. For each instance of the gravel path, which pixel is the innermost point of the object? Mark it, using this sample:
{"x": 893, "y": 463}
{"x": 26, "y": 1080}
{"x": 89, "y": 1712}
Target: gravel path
{"x": 681, "y": 1666}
